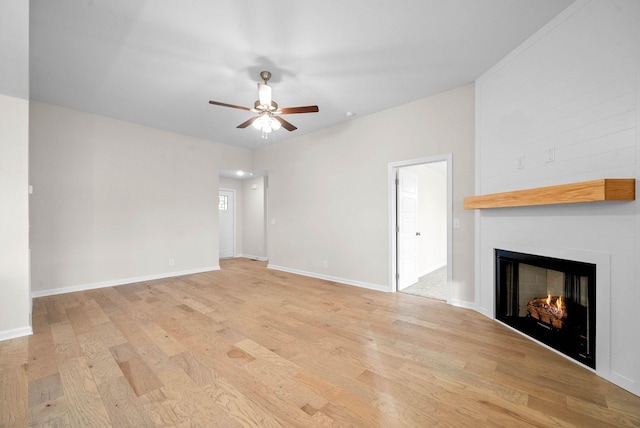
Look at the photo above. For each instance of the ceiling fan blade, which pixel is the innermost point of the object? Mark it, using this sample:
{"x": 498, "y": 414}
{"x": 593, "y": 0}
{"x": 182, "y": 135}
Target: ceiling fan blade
{"x": 217, "y": 103}
{"x": 247, "y": 122}
{"x": 305, "y": 109}
{"x": 286, "y": 125}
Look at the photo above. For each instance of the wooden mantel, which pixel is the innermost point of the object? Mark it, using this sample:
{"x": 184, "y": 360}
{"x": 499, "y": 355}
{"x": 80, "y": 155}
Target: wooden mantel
{"x": 606, "y": 189}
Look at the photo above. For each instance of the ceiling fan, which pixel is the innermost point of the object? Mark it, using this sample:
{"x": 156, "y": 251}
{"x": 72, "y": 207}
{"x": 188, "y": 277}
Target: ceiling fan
{"x": 268, "y": 118}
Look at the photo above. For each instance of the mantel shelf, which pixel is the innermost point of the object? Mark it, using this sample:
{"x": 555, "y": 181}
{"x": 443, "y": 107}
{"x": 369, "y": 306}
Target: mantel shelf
{"x": 606, "y": 189}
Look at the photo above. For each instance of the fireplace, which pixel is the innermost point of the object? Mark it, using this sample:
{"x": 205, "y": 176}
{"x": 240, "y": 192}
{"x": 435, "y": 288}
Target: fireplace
{"x": 551, "y": 300}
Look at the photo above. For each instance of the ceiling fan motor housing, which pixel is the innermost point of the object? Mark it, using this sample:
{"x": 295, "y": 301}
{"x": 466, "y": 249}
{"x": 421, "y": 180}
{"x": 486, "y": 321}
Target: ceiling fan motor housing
{"x": 265, "y": 75}
{"x": 262, "y": 107}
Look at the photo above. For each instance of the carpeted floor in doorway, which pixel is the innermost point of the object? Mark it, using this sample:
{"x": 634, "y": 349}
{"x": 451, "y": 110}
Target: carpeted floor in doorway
{"x": 432, "y": 285}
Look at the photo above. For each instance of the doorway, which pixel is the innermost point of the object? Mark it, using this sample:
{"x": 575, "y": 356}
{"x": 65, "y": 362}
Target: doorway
{"x": 242, "y": 222}
{"x": 420, "y": 209}
{"x": 227, "y": 222}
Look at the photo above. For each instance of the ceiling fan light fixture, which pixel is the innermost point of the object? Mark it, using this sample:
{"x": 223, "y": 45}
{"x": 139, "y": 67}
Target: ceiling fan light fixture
{"x": 266, "y": 123}
{"x": 264, "y": 93}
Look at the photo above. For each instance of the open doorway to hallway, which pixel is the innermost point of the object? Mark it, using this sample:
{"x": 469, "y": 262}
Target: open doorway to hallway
{"x": 247, "y": 230}
{"x": 422, "y": 227}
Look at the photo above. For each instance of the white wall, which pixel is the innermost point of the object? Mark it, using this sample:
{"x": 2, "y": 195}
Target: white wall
{"x": 114, "y": 201}
{"x": 253, "y": 220}
{"x": 573, "y": 87}
{"x": 328, "y": 191}
{"x": 15, "y": 299}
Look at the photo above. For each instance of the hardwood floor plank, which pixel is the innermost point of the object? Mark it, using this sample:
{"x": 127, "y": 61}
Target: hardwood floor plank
{"x": 48, "y": 388}
{"x": 79, "y": 319}
{"x": 607, "y": 414}
{"x": 49, "y": 414}
{"x": 130, "y": 328}
{"x": 108, "y": 306}
{"x": 55, "y": 311}
{"x": 14, "y": 352}
{"x": 121, "y": 404}
{"x": 101, "y": 363}
{"x": 141, "y": 378}
{"x": 239, "y": 406}
{"x": 345, "y": 382}
{"x": 94, "y": 312}
{"x": 13, "y": 395}
{"x": 200, "y": 373}
{"x": 240, "y": 383}
{"x": 559, "y": 410}
{"x": 40, "y": 350}
{"x": 167, "y": 343}
{"x": 261, "y": 353}
{"x": 249, "y": 346}
{"x": 191, "y": 401}
{"x": 347, "y": 408}
{"x": 84, "y": 403}
{"x": 64, "y": 341}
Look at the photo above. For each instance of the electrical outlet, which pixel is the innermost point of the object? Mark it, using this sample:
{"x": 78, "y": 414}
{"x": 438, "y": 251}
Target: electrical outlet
{"x": 325, "y": 264}
{"x": 171, "y": 262}
{"x": 520, "y": 162}
{"x": 550, "y": 154}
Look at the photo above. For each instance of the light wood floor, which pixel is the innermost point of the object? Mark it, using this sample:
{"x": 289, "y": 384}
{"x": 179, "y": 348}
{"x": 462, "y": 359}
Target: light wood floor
{"x": 246, "y": 346}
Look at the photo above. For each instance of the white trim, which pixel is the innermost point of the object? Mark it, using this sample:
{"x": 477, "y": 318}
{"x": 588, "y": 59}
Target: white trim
{"x": 345, "y": 281}
{"x": 247, "y": 256}
{"x": 463, "y": 304}
{"x": 124, "y": 281}
{"x": 392, "y": 169}
{"x": 259, "y": 258}
{"x": 15, "y": 333}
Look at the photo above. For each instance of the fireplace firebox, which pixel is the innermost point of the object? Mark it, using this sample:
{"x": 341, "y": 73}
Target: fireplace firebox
{"x": 551, "y": 300}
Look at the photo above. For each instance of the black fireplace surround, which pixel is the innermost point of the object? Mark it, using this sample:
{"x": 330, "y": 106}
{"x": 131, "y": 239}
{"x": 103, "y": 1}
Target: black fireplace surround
{"x": 549, "y": 299}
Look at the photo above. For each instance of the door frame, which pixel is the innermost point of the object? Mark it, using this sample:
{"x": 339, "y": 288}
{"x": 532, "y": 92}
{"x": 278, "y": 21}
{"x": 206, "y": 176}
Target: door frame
{"x": 392, "y": 202}
{"x": 233, "y": 191}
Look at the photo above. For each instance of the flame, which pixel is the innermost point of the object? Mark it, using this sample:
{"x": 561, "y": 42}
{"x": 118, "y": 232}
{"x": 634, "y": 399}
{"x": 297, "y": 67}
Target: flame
{"x": 559, "y": 302}
{"x": 549, "y": 300}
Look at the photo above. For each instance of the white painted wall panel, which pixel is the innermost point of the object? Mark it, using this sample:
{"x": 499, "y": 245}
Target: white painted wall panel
{"x": 572, "y": 87}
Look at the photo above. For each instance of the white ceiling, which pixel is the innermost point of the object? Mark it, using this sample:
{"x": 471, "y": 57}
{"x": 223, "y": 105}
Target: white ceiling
{"x": 158, "y": 63}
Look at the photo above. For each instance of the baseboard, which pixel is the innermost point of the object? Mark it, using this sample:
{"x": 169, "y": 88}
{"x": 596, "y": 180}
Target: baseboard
{"x": 345, "y": 281}
{"x": 483, "y": 311}
{"x": 123, "y": 281}
{"x": 16, "y": 332}
{"x": 258, "y": 258}
{"x": 463, "y": 304}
